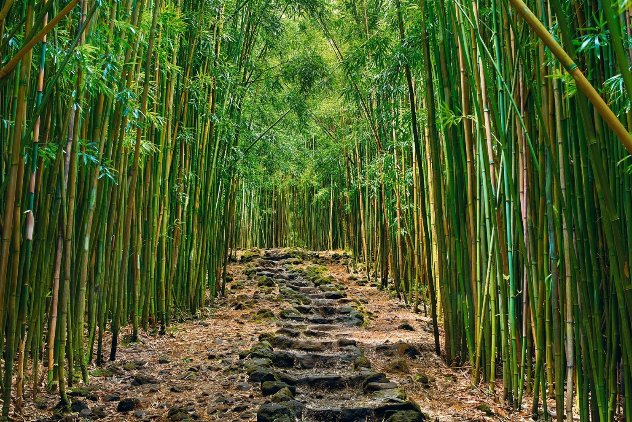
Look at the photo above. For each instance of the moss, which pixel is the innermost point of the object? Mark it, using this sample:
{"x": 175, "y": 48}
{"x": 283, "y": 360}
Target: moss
{"x": 265, "y": 281}
{"x": 361, "y": 362}
{"x": 263, "y": 314}
{"x": 484, "y": 407}
{"x": 423, "y": 379}
{"x": 102, "y": 373}
{"x": 250, "y": 254}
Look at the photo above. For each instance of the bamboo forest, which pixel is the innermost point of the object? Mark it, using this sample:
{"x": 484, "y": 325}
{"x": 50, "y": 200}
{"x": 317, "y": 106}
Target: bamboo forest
{"x": 316, "y": 210}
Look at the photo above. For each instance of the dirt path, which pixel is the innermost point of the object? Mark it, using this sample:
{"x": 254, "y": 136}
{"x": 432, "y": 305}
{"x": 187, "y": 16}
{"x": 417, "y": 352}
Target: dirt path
{"x": 297, "y": 336}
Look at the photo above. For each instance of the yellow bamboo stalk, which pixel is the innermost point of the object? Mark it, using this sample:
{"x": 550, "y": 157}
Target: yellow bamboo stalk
{"x": 7, "y": 68}
{"x": 582, "y": 83}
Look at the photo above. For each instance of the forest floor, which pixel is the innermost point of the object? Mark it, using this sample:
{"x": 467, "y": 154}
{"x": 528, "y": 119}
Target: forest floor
{"x": 306, "y": 313}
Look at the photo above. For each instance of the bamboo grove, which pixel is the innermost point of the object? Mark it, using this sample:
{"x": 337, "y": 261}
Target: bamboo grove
{"x": 120, "y": 122}
{"x": 443, "y": 142}
{"x": 474, "y": 174}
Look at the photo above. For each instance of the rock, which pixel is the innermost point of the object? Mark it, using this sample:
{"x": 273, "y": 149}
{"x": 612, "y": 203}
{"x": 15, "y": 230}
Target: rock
{"x": 398, "y": 366}
{"x": 99, "y": 413}
{"x": 112, "y": 397}
{"x": 140, "y": 414}
{"x": 405, "y": 349}
{"x": 379, "y": 386}
{"x": 361, "y": 362}
{"x": 84, "y": 392}
{"x": 177, "y": 413}
{"x": 264, "y": 281}
{"x": 323, "y": 381}
{"x": 307, "y": 361}
{"x": 400, "y": 348}
{"x": 261, "y": 374}
{"x": 283, "y": 359}
{"x": 367, "y": 376}
{"x": 177, "y": 389}
{"x": 346, "y": 310}
{"x": 85, "y": 412}
{"x": 303, "y": 309}
{"x": 392, "y": 395}
{"x": 355, "y": 319}
{"x": 134, "y": 365}
{"x": 353, "y": 414}
{"x": 288, "y": 332}
{"x": 163, "y": 360}
{"x": 128, "y": 404}
{"x": 310, "y": 346}
{"x": 264, "y": 314}
{"x": 78, "y": 406}
{"x": 274, "y": 412}
{"x": 333, "y": 295}
{"x": 138, "y": 380}
{"x": 407, "y": 416}
{"x": 287, "y": 378}
{"x": 268, "y": 388}
{"x": 406, "y": 327}
{"x": 281, "y": 342}
{"x": 484, "y": 407}
{"x": 240, "y": 408}
{"x": 423, "y": 379}
{"x": 282, "y": 395}
{"x": 320, "y": 320}
{"x": 262, "y": 349}
{"x": 295, "y": 407}
{"x": 243, "y": 386}
{"x": 291, "y": 314}
{"x": 261, "y": 361}
{"x": 342, "y": 342}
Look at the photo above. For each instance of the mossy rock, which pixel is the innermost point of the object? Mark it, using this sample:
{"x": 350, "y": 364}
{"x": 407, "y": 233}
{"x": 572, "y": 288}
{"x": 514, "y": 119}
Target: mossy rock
{"x": 269, "y": 388}
{"x": 250, "y": 255}
{"x": 83, "y": 392}
{"x": 290, "y": 313}
{"x": 282, "y": 395}
{"x": 102, "y": 373}
{"x": 236, "y": 286}
{"x": 398, "y": 366}
{"x": 423, "y": 379}
{"x": 484, "y": 407}
{"x": 133, "y": 365}
{"x": 361, "y": 362}
{"x": 391, "y": 395}
{"x": 250, "y": 269}
{"x": 265, "y": 281}
{"x": 262, "y": 349}
{"x": 263, "y": 314}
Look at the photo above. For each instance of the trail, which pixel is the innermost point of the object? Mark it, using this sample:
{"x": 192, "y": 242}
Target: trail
{"x": 325, "y": 375}
{"x": 299, "y": 337}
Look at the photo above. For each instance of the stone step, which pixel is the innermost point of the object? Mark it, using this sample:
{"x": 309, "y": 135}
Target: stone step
{"x": 288, "y": 343}
{"x": 302, "y": 360}
{"x": 317, "y": 378}
{"x": 349, "y": 406}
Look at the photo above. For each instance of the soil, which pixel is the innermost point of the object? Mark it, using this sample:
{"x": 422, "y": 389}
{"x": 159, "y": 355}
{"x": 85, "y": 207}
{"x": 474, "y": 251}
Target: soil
{"x": 200, "y": 369}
